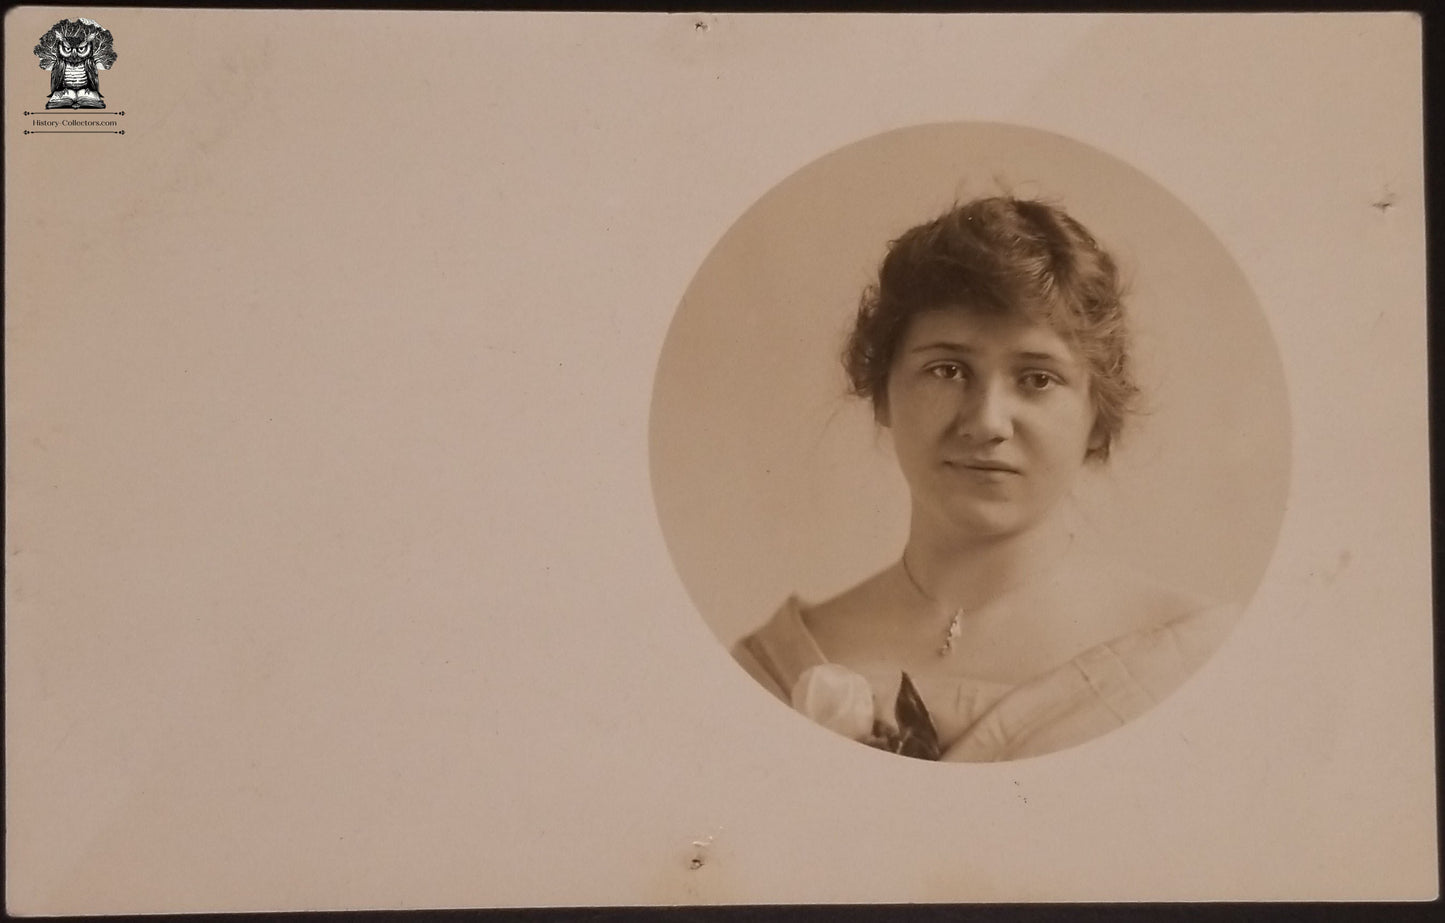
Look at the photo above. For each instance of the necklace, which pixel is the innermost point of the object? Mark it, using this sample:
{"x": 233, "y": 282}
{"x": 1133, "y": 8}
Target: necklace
{"x": 955, "y": 625}
{"x": 954, "y": 631}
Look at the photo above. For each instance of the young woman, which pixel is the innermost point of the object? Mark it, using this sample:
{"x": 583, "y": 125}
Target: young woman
{"x": 994, "y": 350}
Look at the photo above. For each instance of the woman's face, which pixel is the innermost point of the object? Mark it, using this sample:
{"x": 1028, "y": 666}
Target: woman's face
{"x": 991, "y": 419}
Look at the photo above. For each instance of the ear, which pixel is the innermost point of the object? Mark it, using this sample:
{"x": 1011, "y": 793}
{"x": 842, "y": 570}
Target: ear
{"x": 1098, "y": 441}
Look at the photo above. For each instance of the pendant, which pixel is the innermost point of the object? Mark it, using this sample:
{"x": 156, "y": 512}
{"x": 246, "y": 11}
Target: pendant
{"x": 955, "y": 630}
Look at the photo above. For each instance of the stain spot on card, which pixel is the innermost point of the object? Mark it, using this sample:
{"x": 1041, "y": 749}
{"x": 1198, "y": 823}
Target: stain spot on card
{"x": 694, "y": 872}
{"x": 699, "y": 855}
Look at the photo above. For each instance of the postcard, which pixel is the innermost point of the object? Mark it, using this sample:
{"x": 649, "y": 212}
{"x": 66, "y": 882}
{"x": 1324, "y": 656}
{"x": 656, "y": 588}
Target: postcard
{"x": 462, "y": 459}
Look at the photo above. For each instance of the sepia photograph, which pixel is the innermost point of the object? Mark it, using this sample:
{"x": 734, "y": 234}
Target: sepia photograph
{"x": 1076, "y": 515}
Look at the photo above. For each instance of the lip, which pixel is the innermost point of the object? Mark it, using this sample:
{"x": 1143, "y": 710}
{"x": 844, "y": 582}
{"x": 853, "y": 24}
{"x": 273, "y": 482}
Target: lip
{"x": 983, "y": 465}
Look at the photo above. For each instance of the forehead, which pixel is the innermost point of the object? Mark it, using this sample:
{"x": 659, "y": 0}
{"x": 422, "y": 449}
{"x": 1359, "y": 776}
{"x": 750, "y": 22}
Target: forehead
{"x": 972, "y": 332}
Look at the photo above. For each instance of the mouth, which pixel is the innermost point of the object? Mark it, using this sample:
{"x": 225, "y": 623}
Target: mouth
{"x": 983, "y": 465}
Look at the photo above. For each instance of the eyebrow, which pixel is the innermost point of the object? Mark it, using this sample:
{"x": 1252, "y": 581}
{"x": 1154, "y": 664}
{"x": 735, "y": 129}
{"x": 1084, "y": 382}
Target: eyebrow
{"x": 948, "y": 346}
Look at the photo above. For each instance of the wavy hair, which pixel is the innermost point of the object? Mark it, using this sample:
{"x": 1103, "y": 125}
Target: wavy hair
{"x": 1004, "y": 256}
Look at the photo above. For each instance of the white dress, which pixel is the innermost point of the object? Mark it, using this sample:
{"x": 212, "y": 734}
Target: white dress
{"x": 980, "y": 720}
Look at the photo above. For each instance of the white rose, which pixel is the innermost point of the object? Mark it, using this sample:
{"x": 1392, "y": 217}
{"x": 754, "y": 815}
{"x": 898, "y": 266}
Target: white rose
{"x": 837, "y": 698}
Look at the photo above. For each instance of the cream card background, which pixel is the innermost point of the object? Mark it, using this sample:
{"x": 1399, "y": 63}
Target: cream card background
{"x": 333, "y": 574}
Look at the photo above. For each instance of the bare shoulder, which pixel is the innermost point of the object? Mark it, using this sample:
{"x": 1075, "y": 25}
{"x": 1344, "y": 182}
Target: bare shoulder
{"x": 849, "y": 619}
{"x": 1135, "y": 601}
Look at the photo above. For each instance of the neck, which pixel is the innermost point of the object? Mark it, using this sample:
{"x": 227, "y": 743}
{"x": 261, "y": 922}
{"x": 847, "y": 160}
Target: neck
{"x": 968, "y": 574}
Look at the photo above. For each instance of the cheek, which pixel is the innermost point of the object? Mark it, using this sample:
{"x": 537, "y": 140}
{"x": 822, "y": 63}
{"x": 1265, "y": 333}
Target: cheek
{"x": 1079, "y": 418}
{"x": 1065, "y": 437}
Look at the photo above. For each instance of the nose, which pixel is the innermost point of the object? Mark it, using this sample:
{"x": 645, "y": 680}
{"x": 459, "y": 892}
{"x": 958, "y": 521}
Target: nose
{"x": 987, "y": 414}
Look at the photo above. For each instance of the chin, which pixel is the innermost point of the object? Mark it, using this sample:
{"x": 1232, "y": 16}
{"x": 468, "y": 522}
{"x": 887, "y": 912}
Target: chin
{"x": 988, "y": 522}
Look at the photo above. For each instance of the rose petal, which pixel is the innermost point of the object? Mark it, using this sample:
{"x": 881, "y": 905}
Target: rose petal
{"x": 837, "y": 698}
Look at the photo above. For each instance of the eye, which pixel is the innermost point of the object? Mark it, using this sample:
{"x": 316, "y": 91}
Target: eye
{"x": 948, "y": 371}
{"x": 1039, "y": 381}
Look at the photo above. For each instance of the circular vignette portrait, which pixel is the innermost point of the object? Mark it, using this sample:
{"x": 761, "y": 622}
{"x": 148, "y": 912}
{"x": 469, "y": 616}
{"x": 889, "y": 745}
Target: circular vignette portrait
{"x": 970, "y": 442}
